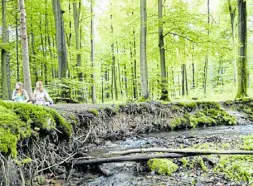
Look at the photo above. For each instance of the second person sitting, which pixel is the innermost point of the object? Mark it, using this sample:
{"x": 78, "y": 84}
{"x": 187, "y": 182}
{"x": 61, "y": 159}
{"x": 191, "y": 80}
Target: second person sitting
{"x": 41, "y": 95}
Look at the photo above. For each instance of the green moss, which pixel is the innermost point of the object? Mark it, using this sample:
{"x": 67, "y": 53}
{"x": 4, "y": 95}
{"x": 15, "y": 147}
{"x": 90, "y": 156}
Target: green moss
{"x": 208, "y": 117}
{"x": 93, "y": 111}
{"x": 181, "y": 122}
{"x": 202, "y": 164}
{"x": 20, "y": 120}
{"x": 184, "y": 162}
{"x": 8, "y": 142}
{"x": 248, "y": 142}
{"x": 238, "y": 168}
{"x": 162, "y": 166}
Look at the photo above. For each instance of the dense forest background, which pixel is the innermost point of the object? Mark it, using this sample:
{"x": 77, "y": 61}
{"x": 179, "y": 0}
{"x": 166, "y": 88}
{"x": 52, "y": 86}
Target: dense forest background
{"x": 107, "y": 50}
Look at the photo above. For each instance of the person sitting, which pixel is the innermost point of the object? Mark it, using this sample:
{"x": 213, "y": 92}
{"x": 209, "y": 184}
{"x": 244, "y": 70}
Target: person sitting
{"x": 20, "y": 94}
{"x": 40, "y": 94}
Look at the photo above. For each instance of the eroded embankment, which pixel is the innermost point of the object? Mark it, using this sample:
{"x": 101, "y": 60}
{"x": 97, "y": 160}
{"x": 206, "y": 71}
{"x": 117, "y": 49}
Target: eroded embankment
{"x": 113, "y": 122}
{"x": 37, "y": 143}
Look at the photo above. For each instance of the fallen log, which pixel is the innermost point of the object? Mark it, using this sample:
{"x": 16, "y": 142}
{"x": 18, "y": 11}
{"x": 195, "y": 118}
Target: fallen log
{"x": 127, "y": 158}
{"x": 181, "y": 151}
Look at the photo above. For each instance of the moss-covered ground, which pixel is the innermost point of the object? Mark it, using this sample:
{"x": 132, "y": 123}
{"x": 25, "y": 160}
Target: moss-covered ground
{"x": 19, "y": 121}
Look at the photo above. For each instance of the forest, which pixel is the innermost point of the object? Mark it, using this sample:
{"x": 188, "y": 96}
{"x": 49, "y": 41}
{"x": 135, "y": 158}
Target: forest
{"x": 111, "y": 51}
{"x": 131, "y": 92}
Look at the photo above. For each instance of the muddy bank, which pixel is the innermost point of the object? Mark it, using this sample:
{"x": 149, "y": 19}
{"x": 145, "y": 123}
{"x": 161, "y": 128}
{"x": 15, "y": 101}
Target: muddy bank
{"x": 114, "y": 122}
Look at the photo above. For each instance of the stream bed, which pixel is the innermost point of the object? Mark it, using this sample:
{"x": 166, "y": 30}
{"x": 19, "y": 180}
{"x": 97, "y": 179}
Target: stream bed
{"x": 136, "y": 173}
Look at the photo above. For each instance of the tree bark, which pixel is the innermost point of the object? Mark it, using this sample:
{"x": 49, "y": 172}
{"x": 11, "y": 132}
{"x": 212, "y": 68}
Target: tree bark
{"x": 60, "y": 40}
{"x": 25, "y": 53}
{"x": 93, "y": 88}
{"x": 207, "y": 59}
{"x": 232, "y": 12}
{"x": 242, "y": 65}
{"x": 5, "y": 58}
{"x": 76, "y": 16}
{"x": 143, "y": 55}
{"x": 17, "y": 50}
{"x": 114, "y": 79}
{"x": 164, "y": 83}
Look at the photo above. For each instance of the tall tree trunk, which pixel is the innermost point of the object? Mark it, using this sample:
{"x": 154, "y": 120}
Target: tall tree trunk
{"x": 93, "y": 91}
{"x": 164, "y": 84}
{"x": 114, "y": 78}
{"x": 232, "y": 12}
{"x": 25, "y": 54}
{"x": 143, "y": 55}
{"x": 76, "y": 16}
{"x": 183, "y": 79}
{"x": 186, "y": 80}
{"x": 17, "y": 50}
{"x": 206, "y": 59}
{"x": 5, "y": 58}
{"x": 60, "y": 40}
{"x": 135, "y": 67}
{"x": 242, "y": 65}
{"x": 33, "y": 60}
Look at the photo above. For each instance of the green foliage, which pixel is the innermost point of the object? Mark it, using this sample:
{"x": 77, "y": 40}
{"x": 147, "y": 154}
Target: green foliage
{"x": 162, "y": 166}
{"x": 20, "y": 120}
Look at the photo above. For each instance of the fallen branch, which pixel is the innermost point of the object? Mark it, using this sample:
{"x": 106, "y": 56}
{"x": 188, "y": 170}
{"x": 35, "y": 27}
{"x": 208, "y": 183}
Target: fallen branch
{"x": 127, "y": 158}
{"x": 182, "y": 151}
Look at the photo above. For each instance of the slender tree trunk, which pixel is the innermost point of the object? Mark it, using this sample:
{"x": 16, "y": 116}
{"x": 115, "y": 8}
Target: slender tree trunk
{"x": 186, "y": 80}
{"x": 35, "y": 69}
{"x": 242, "y": 65}
{"x": 17, "y": 50}
{"x": 126, "y": 80}
{"x": 76, "y": 16}
{"x": 183, "y": 79}
{"x": 206, "y": 59}
{"x": 25, "y": 54}
{"x": 143, "y": 55}
{"x": 5, "y": 58}
{"x": 135, "y": 66}
{"x": 232, "y": 12}
{"x": 93, "y": 88}
{"x": 114, "y": 79}
{"x": 164, "y": 84}
{"x": 119, "y": 73}
{"x": 60, "y": 40}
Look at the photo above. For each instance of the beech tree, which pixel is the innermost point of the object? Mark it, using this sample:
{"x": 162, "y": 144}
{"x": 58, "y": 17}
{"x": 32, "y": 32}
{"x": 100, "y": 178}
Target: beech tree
{"x": 60, "y": 40}
{"x": 242, "y": 66}
{"x": 5, "y": 59}
{"x": 25, "y": 52}
{"x": 143, "y": 55}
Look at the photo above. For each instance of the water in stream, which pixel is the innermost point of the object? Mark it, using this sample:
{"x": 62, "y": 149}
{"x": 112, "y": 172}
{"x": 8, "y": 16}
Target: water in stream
{"x": 131, "y": 173}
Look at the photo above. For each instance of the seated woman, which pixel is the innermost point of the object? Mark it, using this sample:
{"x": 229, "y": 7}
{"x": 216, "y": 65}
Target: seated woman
{"x": 40, "y": 94}
{"x": 20, "y": 94}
